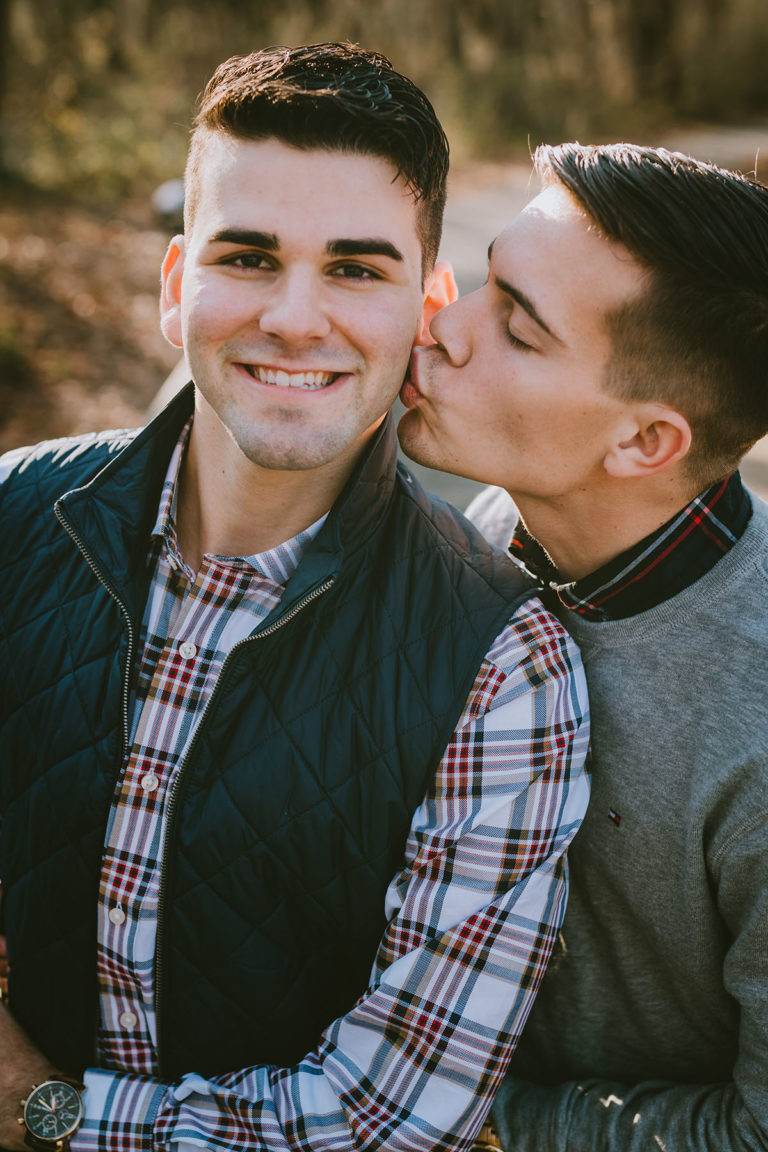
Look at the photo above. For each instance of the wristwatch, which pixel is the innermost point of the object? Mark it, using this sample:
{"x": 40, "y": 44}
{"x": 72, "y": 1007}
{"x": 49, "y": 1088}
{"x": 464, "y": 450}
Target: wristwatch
{"x": 53, "y": 1112}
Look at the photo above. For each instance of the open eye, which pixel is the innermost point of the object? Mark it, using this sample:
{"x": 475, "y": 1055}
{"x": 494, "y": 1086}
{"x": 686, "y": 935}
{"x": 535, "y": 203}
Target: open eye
{"x": 353, "y": 271}
{"x": 252, "y": 261}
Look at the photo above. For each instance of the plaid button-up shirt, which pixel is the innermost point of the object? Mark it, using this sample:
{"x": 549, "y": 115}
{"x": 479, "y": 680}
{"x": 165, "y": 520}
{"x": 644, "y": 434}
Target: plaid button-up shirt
{"x": 472, "y": 914}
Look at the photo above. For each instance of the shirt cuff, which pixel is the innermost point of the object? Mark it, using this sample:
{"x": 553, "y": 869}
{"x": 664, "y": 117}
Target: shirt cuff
{"x": 119, "y": 1113}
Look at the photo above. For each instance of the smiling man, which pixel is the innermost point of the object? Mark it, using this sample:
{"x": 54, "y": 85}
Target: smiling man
{"x": 609, "y": 376}
{"x": 291, "y": 759}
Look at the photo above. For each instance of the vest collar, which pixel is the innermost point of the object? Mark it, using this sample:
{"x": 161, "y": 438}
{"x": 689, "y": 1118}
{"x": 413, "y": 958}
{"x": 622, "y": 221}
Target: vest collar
{"x": 356, "y": 514}
{"x": 113, "y": 514}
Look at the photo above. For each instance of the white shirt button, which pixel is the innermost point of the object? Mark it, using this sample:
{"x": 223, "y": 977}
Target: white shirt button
{"x": 187, "y": 650}
{"x": 149, "y": 782}
{"x": 117, "y": 916}
{"x": 128, "y": 1020}
{"x": 173, "y": 562}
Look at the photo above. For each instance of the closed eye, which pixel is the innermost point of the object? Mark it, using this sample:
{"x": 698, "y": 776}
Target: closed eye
{"x": 518, "y": 343}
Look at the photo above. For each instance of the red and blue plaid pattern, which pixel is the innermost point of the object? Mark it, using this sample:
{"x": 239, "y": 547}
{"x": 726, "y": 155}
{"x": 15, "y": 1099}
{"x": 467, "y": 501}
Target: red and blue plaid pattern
{"x": 472, "y": 915}
{"x": 659, "y": 566}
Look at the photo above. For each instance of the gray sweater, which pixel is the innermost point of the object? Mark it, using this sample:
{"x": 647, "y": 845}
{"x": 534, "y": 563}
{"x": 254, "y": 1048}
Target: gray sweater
{"x": 651, "y": 1027}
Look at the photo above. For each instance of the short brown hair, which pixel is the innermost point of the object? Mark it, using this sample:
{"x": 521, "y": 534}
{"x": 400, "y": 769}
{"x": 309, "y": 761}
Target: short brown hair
{"x": 330, "y": 96}
{"x": 698, "y": 338}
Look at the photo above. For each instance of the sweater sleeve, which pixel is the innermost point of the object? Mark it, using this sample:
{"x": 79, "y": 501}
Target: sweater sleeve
{"x": 604, "y": 1116}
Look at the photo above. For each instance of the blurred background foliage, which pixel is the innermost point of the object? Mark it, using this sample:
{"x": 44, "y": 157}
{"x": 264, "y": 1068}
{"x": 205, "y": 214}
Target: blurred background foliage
{"x": 96, "y": 95}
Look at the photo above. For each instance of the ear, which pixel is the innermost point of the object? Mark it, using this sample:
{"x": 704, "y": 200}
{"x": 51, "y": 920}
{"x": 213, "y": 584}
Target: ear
{"x": 658, "y": 439}
{"x": 439, "y": 290}
{"x": 170, "y": 292}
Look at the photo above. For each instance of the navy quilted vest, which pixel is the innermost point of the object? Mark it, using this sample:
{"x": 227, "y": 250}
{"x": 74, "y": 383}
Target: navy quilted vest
{"x": 296, "y": 798}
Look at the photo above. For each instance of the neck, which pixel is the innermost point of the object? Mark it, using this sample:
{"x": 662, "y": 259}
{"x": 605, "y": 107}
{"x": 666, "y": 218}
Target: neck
{"x": 233, "y": 507}
{"x": 582, "y": 532}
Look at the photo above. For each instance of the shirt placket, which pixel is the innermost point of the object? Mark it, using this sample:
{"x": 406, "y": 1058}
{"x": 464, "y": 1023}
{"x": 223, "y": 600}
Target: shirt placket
{"x": 183, "y": 678}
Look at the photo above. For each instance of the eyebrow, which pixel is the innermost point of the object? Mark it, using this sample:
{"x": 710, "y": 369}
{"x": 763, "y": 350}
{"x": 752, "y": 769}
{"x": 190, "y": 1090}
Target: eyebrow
{"x": 368, "y": 246}
{"x": 247, "y": 237}
{"x": 269, "y": 242}
{"x": 524, "y": 301}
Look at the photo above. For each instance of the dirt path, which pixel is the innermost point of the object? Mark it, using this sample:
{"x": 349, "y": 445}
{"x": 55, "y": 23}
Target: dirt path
{"x": 484, "y": 199}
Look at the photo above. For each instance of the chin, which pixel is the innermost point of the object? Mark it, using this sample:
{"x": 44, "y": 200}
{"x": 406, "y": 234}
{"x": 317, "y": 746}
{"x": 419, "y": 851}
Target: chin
{"x": 408, "y": 435}
{"x": 414, "y": 447}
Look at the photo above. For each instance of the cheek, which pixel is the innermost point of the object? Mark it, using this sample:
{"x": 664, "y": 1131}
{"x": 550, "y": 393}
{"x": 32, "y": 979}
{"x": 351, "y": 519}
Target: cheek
{"x": 204, "y": 323}
{"x": 390, "y": 328}
{"x": 210, "y": 312}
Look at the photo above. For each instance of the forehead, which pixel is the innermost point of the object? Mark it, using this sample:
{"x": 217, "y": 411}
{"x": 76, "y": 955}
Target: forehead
{"x": 554, "y": 253}
{"x": 275, "y": 187}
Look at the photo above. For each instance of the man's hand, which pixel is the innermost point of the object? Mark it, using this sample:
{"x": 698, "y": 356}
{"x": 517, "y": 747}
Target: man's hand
{"x": 21, "y": 1066}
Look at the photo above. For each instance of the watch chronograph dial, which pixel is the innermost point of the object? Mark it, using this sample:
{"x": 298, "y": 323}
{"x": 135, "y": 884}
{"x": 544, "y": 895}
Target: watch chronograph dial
{"x": 53, "y": 1111}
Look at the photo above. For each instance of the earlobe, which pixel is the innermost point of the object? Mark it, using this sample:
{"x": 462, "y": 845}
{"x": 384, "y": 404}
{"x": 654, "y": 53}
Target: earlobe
{"x": 661, "y": 437}
{"x": 170, "y": 292}
{"x": 440, "y": 290}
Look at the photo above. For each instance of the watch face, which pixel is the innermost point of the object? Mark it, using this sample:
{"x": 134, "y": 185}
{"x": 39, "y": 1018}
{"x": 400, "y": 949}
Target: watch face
{"x": 53, "y": 1111}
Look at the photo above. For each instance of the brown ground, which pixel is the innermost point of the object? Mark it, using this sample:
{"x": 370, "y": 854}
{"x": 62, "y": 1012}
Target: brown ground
{"x": 80, "y": 347}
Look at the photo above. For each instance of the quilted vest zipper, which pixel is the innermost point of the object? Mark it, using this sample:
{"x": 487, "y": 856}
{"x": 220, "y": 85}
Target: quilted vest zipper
{"x": 87, "y": 556}
{"x": 171, "y": 800}
{"x": 85, "y": 553}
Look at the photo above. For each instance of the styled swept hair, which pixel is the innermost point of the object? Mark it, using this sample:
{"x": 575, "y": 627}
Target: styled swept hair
{"x": 332, "y": 96}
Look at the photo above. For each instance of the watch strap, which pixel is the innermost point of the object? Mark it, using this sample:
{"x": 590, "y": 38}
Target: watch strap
{"x": 487, "y": 1139}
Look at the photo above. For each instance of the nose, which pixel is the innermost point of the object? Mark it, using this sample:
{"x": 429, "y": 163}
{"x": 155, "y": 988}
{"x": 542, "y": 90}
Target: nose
{"x": 451, "y": 328}
{"x": 293, "y": 310}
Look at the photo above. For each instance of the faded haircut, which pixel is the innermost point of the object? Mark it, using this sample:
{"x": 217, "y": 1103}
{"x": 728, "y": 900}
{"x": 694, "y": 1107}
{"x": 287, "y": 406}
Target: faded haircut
{"x": 697, "y": 340}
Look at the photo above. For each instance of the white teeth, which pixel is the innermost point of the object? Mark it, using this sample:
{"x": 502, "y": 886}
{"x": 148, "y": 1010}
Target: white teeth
{"x": 307, "y": 380}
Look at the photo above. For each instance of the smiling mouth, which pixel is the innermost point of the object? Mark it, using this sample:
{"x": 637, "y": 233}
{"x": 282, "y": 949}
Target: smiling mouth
{"x": 278, "y": 378}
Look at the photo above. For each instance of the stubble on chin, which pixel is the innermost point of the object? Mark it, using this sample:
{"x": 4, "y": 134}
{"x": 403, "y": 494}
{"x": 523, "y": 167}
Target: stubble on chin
{"x": 415, "y": 445}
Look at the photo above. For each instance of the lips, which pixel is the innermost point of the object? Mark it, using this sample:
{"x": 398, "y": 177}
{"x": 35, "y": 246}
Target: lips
{"x": 409, "y": 393}
{"x": 279, "y": 378}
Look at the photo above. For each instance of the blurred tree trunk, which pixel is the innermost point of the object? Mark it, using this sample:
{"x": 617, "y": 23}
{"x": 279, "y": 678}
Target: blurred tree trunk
{"x": 5, "y": 50}
{"x": 652, "y": 47}
{"x": 714, "y": 11}
{"x": 453, "y": 33}
{"x": 132, "y": 18}
{"x": 512, "y": 20}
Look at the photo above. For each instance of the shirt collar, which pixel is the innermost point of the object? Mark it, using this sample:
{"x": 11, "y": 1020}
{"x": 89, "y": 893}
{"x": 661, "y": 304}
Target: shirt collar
{"x": 276, "y": 564}
{"x": 655, "y": 569}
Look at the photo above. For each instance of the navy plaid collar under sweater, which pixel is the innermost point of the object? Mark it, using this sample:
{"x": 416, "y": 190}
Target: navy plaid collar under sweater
{"x": 655, "y": 569}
